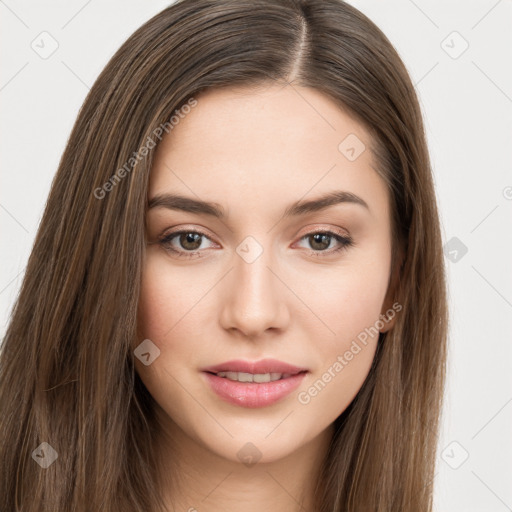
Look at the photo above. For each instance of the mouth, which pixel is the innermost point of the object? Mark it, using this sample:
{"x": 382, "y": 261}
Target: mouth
{"x": 258, "y": 378}
{"x": 254, "y": 384}
{"x": 262, "y": 367}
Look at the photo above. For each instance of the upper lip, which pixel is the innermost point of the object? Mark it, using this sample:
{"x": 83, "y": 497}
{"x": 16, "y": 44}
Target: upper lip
{"x": 255, "y": 367}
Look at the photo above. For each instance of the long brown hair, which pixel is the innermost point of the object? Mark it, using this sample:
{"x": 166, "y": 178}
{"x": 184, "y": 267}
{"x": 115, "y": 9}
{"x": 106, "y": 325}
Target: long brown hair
{"x": 67, "y": 373}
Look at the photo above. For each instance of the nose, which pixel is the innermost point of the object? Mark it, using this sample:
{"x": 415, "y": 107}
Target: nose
{"x": 254, "y": 297}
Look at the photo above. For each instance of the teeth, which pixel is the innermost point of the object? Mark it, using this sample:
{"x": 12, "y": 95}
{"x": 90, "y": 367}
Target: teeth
{"x": 257, "y": 377}
{"x": 244, "y": 377}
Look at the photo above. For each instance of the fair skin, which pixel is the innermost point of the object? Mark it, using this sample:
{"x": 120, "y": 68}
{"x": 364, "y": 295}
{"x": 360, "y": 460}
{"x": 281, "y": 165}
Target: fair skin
{"x": 254, "y": 152}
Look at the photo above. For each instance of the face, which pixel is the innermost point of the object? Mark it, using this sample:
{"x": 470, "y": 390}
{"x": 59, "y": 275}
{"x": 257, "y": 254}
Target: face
{"x": 264, "y": 272}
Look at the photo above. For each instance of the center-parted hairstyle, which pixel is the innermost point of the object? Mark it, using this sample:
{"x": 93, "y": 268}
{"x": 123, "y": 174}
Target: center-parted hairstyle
{"x": 67, "y": 374}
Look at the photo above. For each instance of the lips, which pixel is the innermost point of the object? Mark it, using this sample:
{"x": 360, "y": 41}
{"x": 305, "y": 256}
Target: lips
{"x": 256, "y": 367}
{"x": 253, "y": 384}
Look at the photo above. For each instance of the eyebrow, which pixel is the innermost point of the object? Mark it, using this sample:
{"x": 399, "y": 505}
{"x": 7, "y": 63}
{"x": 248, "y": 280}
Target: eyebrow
{"x": 190, "y": 205}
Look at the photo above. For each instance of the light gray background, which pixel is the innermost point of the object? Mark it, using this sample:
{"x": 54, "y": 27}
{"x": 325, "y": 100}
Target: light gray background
{"x": 467, "y": 105}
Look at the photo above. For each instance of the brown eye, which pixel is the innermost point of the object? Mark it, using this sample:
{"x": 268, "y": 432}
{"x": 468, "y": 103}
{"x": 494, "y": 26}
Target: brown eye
{"x": 187, "y": 244}
{"x": 320, "y": 241}
{"x": 190, "y": 240}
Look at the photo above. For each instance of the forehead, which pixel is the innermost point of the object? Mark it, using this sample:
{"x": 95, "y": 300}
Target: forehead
{"x": 273, "y": 144}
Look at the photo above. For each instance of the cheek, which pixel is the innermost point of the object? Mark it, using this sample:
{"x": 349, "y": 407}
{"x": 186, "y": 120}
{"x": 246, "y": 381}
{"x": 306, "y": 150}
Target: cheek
{"x": 352, "y": 314}
{"x": 154, "y": 294}
{"x": 170, "y": 306}
{"x": 347, "y": 300}
{"x": 345, "y": 357}
{"x": 349, "y": 303}
{"x": 165, "y": 298}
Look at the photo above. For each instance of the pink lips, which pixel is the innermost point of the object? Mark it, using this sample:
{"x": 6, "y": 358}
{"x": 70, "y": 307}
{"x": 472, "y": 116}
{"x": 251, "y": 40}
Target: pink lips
{"x": 262, "y": 366}
{"x": 254, "y": 394}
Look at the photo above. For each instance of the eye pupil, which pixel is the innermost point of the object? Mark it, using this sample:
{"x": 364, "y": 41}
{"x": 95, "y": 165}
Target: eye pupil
{"x": 322, "y": 239}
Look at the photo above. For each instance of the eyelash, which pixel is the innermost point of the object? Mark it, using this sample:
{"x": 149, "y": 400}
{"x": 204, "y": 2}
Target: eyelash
{"x": 344, "y": 241}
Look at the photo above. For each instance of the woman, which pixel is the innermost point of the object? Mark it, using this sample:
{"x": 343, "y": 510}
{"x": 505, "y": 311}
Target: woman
{"x": 236, "y": 296}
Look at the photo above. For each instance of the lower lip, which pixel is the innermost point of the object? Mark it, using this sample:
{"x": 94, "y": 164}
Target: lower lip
{"x": 253, "y": 394}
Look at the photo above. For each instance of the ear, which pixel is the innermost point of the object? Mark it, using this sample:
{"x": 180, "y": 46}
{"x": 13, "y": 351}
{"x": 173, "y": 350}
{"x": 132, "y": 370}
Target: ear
{"x": 389, "y": 313}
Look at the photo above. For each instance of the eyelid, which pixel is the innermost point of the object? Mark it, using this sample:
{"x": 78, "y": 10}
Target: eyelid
{"x": 325, "y": 229}
{"x": 185, "y": 229}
